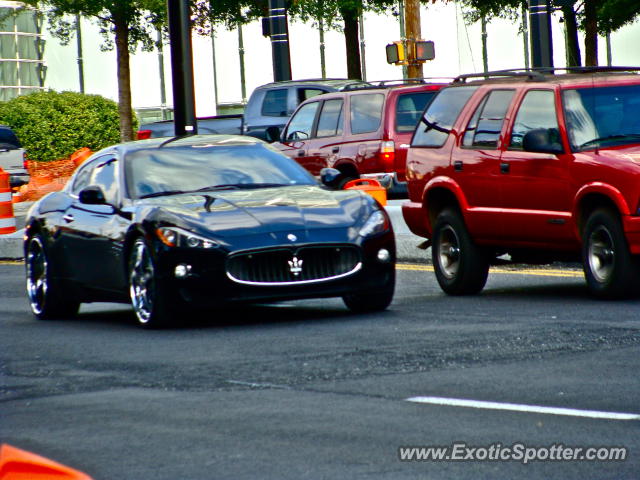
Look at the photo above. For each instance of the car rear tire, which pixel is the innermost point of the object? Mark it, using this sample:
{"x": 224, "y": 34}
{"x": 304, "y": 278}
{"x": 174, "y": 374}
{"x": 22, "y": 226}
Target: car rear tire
{"x": 370, "y": 302}
{"x": 609, "y": 268}
{"x": 150, "y": 303}
{"x": 461, "y": 266}
{"x": 48, "y": 298}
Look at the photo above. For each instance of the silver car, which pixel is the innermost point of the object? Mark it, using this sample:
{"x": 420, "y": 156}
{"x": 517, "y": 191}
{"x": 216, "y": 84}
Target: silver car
{"x": 12, "y": 157}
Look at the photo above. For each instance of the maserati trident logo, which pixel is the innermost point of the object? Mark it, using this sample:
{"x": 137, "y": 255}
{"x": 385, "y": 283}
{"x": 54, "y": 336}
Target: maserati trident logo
{"x": 295, "y": 266}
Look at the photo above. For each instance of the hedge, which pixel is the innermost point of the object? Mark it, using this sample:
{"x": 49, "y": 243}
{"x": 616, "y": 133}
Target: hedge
{"x": 52, "y": 125}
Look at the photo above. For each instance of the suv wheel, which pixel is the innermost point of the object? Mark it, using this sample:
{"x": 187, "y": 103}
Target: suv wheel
{"x": 609, "y": 268}
{"x": 461, "y": 266}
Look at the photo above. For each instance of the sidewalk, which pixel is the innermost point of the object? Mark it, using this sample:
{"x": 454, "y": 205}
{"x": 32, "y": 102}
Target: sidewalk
{"x": 406, "y": 242}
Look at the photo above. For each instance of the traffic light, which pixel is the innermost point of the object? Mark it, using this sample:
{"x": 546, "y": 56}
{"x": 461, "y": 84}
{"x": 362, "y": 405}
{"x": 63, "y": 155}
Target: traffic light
{"x": 425, "y": 50}
{"x": 396, "y": 53}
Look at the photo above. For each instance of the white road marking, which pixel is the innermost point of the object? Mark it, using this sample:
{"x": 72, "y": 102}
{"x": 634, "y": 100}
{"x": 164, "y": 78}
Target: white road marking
{"x": 515, "y": 407}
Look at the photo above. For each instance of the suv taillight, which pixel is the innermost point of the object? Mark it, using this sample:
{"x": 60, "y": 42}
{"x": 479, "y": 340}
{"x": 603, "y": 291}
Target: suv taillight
{"x": 25, "y": 162}
{"x": 388, "y": 155}
{"x": 144, "y": 134}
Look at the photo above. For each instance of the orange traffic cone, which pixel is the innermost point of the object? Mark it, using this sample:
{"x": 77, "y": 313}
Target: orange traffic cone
{"x": 16, "y": 464}
{"x": 7, "y": 220}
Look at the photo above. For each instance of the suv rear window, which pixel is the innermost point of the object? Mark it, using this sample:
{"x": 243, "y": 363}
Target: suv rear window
{"x": 366, "y": 112}
{"x": 275, "y": 103}
{"x": 437, "y": 122}
{"x": 8, "y": 139}
{"x": 409, "y": 108}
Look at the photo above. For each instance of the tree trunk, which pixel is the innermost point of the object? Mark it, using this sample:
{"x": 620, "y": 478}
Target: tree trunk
{"x": 591, "y": 33}
{"x": 571, "y": 36}
{"x": 124, "y": 78}
{"x": 350, "y": 17}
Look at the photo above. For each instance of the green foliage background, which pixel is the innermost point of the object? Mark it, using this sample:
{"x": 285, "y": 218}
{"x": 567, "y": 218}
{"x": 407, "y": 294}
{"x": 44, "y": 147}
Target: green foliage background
{"x": 52, "y": 125}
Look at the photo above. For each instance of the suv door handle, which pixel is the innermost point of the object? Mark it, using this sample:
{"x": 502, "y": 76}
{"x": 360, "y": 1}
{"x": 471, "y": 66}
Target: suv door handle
{"x": 68, "y": 218}
{"x": 335, "y": 149}
{"x": 301, "y": 153}
{"x": 504, "y": 167}
{"x": 457, "y": 165}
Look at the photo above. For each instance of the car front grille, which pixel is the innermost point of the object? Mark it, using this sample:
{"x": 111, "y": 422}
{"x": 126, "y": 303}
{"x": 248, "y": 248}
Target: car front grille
{"x": 293, "y": 266}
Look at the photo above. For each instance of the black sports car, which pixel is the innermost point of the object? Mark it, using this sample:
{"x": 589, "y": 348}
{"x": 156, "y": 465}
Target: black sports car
{"x": 198, "y": 221}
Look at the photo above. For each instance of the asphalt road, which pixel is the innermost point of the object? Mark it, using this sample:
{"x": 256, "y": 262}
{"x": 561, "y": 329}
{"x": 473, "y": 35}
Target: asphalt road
{"x": 306, "y": 390}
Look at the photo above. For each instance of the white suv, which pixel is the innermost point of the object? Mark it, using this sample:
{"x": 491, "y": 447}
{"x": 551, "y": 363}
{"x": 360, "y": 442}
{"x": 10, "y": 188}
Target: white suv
{"x": 12, "y": 157}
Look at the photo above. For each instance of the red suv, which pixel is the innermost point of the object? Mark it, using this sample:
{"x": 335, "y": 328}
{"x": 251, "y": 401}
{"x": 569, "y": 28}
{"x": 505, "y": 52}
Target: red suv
{"x": 536, "y": 165}
{"x": 361, "y": 131}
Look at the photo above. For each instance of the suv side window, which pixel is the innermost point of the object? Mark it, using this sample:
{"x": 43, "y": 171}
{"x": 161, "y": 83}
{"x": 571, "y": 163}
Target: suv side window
{"x": 409, "y": 108}
{"x": 330, "y": 121}
{"x": 301, "y": 124}
{"x": 437, "y": 122}
{"x": 366, "y": 112}
{"x": 307, "y": 93}
{"x": 486, "y": 124}
{"x": 8, "y": 139}
{"x": 105, "y": 176}
{"x": 275, "y": 103}
{"x": 537, "y": 110}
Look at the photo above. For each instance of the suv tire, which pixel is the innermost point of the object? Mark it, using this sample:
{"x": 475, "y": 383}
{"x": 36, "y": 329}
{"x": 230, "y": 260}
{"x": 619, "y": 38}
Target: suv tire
{"x": 609, "y": 268}
{"x": 461, "y": 266}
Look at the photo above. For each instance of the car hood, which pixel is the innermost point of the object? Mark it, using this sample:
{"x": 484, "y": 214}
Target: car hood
{"x": 292, "y": 209}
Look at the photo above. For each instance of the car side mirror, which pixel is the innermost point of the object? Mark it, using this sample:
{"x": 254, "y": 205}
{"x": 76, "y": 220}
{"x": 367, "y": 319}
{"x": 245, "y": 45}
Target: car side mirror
{"x": 92, "y": 196}
{"x": 331, "y": 177}
{"x": 543, "y": 140}
{"x": 272, "y": 134}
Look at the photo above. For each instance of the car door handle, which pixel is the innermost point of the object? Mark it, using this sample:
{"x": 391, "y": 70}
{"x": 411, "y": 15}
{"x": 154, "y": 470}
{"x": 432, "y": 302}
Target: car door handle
{"x": 457, "y": 165}
{"x": 68, "y": 218}
{"x": 335, "y": 149}
{"x": 504, "y": 167}
{"x": 301, "y": 153}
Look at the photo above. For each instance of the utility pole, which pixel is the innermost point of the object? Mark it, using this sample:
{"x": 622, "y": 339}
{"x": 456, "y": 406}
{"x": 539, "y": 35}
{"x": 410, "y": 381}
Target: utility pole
{"x": 363, "y": 61}
{"x": 184, "y": 103}
{"x": 412, "y": 29}
{"x": 525, "y": 36}
{"x": 403, "y": 36}
{"x": 541, "y": 41}
{"x": 80, "y": 59}
{"x": 243, "y": 82}
{"x": 279, "y": 33}
{"x": 485, "y": 54}
{"x": 163, "y": 87}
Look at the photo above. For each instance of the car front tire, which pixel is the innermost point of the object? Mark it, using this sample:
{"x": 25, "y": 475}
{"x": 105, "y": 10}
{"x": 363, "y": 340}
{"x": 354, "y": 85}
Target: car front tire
{"x": 609, "y": 268}
{"x": 371, "y": 302}
{"x": 150, "y": 303}
{"x": 47, "y": 297}
{"x": 461, "y": 266}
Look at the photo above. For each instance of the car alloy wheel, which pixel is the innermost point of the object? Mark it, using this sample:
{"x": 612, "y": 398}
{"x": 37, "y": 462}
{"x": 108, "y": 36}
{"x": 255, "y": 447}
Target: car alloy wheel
{"x": 449, "y": 252}
{"x": 601, "y": 254}
{"x": 142, "y": 282}
{"x": 37, "y": 281}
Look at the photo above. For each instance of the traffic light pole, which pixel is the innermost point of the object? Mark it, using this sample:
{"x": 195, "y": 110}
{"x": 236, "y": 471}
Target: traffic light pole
{"x": 540, "y": 28}
{"x": 279, "y": 33}
{"x": 184, "y": 104}
{"x": 412, "y": 28}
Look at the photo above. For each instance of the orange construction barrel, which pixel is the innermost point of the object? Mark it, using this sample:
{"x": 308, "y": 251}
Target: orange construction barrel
{"x": 7, "y": 219}
{"x": 371, "y": 186}
{"x": 17, "y": 464}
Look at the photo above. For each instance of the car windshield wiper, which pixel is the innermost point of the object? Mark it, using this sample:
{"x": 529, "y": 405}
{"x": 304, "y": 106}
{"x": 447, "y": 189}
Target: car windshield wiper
{"x": 246, "y": 186}
{"x": 163, "y": 193}
{"x": 621, "y": 136}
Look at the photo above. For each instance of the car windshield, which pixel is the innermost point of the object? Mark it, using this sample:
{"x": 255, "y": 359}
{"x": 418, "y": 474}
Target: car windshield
{"x": 602, "y": 116}
{"x": 179, "y": 169}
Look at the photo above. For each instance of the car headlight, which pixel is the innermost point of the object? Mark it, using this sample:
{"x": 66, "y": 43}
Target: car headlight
{"x": 375, "y": 224}
{"x": 177, "y": 237}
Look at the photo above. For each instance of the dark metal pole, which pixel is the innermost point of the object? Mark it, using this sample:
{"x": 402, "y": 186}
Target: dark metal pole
{"x": 80, "y": 60}
{"x": 485, "y": 54}
{"x": 323, "y": 62}
{"x": 163, "y": 87}
{"x": 279, "y": 31}
{"x": 363, "y": 60}
{"x": 243, "y": 81}
{"x": 525, "y": 36}
{"x": 184, "y": 105}
{"x": 541, "y": 41}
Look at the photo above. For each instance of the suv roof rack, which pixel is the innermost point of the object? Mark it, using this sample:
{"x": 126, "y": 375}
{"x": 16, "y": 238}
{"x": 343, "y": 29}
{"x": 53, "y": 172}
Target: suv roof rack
{"x": 395, "y": 83}
{"x": 543, "y": 73}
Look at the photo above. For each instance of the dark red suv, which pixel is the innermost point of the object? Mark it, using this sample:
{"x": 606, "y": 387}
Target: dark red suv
{"x": 363, "y": 132}
{"x": 536, "y": 165}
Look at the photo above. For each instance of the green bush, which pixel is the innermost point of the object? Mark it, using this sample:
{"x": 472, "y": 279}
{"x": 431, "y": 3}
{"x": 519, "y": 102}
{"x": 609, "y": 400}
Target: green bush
{"x": 52, "y": 125}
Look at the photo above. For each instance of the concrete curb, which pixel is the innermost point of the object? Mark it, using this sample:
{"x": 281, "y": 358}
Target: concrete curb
{"x": 406, "y": 242}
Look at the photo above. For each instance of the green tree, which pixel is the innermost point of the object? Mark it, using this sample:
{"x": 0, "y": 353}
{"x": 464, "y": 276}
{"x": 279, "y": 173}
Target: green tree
{"x": 125, "y": 24}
